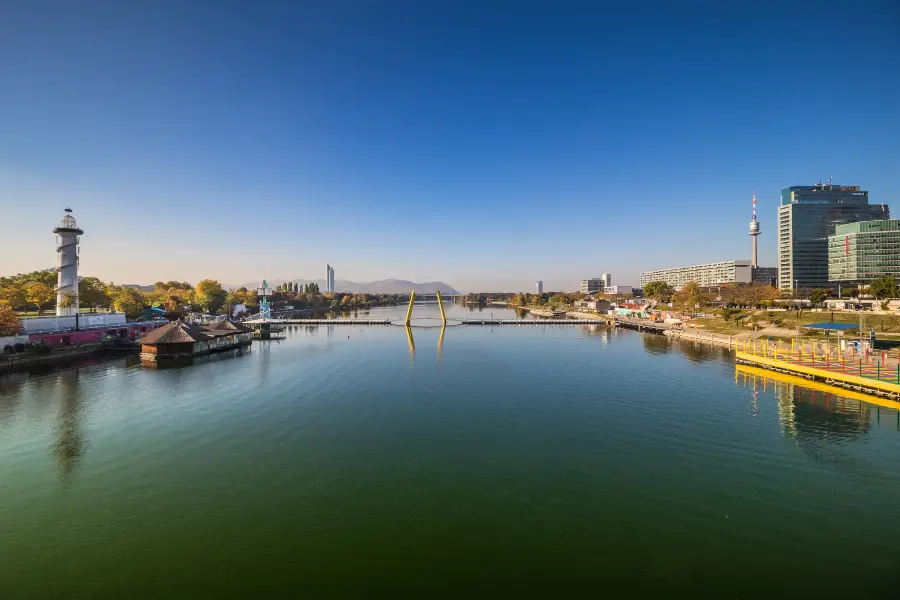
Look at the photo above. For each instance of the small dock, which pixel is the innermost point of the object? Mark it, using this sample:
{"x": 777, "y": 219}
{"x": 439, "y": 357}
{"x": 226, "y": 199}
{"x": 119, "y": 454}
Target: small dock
{"x": 647, "y": 326}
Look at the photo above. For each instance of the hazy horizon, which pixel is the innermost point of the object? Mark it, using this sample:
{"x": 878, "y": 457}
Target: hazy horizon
{"x": 482, "y": 145}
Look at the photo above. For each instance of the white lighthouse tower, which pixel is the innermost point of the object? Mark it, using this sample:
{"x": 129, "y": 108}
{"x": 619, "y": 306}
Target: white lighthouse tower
{"x": 67, "y": 238}
{"x": 754, "y": 231}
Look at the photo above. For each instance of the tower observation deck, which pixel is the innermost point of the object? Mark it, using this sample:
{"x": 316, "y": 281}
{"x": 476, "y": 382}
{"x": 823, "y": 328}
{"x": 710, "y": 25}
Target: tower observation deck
{"x": 754, "y": 232}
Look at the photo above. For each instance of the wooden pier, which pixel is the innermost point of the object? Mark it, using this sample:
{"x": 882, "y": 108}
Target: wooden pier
{"x": 532, "y": 322}
{"x": 647, "y": 326}
{"x": 320, "y": 322}
{"x": 258, "y": 322}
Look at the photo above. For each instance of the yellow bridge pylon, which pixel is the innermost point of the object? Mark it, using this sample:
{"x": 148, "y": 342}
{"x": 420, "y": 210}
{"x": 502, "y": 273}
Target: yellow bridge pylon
{"x": 412, "y": 299}
{"x": 441, "y": 306}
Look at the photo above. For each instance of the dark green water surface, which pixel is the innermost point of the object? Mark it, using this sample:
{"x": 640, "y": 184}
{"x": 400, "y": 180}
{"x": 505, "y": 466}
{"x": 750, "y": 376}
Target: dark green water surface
{"x": 510, "y": 462}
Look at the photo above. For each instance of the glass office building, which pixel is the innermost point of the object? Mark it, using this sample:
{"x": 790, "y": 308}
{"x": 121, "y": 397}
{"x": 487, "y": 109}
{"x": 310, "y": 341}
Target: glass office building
{"x": 860, "y": 252}
{"x": 807, "y": 216}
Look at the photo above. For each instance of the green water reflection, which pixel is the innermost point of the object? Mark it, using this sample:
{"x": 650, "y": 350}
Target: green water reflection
{"x": 466, "y": 461}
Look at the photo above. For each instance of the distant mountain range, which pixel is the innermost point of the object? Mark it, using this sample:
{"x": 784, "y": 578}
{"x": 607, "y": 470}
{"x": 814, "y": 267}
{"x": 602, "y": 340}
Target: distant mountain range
{"x": 384, "y": 286}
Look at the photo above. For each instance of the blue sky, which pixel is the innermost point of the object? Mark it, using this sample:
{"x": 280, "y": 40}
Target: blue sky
{"x": 485, "y": 144}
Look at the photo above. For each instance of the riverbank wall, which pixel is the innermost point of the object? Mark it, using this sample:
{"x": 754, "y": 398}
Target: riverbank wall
{"x": 11, "y": 362}
{"x": 707, "y": 337}
{"x": 589, "y": 316}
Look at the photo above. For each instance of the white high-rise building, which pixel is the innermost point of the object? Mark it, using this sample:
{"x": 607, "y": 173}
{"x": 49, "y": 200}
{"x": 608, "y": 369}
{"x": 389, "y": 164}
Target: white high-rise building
{"x": 329, "y": 278}
{"x": 540, "y": 286}
{"x": 67, "y": 239}
{"x": 708, "y": 275}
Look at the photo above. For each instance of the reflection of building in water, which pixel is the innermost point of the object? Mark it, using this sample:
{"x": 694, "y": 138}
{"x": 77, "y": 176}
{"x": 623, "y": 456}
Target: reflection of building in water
{"x": 69, "y": 438}
{"x": 820, "y": 419}
{"x": 811, "y": 409}
{"x": 656, "y": 344}
{"x": 599, "y": 331}
{"x": 697, "y": 351}
{"x": 784, "y": 394}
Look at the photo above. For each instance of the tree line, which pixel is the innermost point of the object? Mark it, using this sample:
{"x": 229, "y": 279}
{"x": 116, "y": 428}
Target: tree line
{"x": 36, "y": 292}
{"x": 691, "y": 296}
{"x": 550, "y": 300}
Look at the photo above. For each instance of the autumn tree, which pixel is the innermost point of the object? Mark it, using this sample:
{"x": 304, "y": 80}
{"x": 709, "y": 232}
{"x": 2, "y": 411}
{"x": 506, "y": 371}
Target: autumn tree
{"x": 92, "y": 293}
{"x": 884, "y": 287}
{"x": 690, "y": 297}
{"x": 40, "y": 294}
{"x": 48, "y": 278}
{"x": 818, "y": 296}
{"x": 658, "y": 290}
{"x": 68, "y": 300}
{"x": 9, "y": 321}
{"x": 12, "y": 294}
{"x": 210, "y": 295}
{"x": 129, "y": 301}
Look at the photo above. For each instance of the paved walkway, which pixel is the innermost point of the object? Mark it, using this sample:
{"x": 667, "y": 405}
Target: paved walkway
{"x": 822, "y": 351}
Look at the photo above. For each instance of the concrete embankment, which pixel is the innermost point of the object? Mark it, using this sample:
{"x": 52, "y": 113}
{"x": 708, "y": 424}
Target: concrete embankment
{"x": 707, "y": 337}
{"x": 588, "y": 316}
{"x": 11, "y": 362}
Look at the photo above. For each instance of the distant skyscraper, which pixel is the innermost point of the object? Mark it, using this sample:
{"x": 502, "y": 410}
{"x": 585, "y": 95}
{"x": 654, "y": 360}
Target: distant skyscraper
{"x": 540, "y": 286}
{"x": 807, "y": 216}
{"x": 607, "y": 279}
{"x": 329, "y": 278}
{"x": 594, "y": 284}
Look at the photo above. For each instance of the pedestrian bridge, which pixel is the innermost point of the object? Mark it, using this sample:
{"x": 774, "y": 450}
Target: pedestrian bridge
{"x": 292, "y": 317}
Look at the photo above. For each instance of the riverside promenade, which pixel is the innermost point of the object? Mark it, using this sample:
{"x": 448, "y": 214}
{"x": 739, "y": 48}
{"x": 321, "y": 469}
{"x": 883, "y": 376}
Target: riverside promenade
{"x": 868, "y": 372}
{"x": 708, "y": 337}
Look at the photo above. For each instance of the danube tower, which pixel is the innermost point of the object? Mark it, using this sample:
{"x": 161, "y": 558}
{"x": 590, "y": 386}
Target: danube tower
{"x": 754, "y": 231}
{"x": 67, "y": 238}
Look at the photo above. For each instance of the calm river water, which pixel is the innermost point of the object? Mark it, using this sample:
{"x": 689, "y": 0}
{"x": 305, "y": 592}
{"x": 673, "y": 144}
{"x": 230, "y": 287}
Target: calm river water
{"x": 508, "y": 461}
